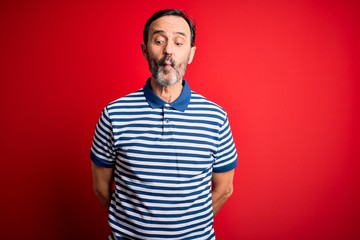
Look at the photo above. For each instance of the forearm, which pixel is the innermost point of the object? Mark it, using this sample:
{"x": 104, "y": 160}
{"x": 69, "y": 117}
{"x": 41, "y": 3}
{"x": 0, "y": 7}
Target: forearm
{"x": 104, "y": 195}
{"x": 222, "y": 188}
{"x": 102, "y": 184}
{"x": 219, "y": 198}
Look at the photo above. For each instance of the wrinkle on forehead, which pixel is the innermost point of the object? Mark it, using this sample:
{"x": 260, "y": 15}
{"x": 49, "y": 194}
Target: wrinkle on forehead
{"x": 170, "y": 24}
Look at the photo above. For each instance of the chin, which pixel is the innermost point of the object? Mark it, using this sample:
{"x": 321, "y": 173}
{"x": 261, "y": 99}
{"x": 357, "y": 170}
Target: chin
{"x": 166, "y": 79}
{"x": 166, "y": 82}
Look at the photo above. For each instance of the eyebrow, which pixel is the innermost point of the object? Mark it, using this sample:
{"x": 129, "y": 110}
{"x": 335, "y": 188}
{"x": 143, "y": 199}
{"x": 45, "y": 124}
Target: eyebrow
{"x": 162, "y": 31}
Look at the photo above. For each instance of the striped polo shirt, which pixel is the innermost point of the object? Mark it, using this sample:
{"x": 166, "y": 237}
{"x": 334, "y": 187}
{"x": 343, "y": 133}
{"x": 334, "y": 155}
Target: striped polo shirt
{"x": 163, "y": 156}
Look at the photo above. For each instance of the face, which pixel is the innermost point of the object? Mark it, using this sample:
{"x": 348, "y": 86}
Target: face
{"x": 168, "y": 50}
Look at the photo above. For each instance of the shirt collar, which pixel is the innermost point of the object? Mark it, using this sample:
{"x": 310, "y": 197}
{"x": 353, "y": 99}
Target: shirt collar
{"x": 181, "y": 103}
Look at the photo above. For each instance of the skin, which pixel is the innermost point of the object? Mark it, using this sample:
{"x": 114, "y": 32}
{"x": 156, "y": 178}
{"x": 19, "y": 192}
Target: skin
{"x": 168, "y": 52}
{"x": 102, "y": 184}
{"x": 222, "y": 189}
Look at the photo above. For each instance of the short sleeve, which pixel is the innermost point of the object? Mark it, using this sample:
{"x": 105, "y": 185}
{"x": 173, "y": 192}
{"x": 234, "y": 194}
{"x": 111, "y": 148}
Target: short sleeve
{"x": 102, "y": 151}
{"x": 226, "y": 156}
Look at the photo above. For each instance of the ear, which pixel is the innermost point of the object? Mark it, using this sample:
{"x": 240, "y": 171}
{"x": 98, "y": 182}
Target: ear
{"x": 144, "y": 50}
{"x": 192, "y": 54}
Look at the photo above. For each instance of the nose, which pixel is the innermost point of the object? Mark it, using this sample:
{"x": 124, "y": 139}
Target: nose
{"x": 168, "y": 50}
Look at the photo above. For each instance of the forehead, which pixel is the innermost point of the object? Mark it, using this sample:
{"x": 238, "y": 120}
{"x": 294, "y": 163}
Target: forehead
{"x": 170, "y": 24}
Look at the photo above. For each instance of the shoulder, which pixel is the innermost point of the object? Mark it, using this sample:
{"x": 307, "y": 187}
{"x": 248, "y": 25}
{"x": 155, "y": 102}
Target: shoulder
{"x": 124, "y": 104}
{"x": 130, "y": 100}
{"x": 200, "y": 102}
{"x": 136, "y": 96}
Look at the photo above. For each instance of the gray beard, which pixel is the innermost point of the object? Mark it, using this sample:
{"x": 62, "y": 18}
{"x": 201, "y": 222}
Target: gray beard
{"x": 170, "y": 78}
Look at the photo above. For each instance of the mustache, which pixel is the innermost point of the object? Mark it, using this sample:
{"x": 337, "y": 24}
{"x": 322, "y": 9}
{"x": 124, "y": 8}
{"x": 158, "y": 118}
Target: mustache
{"x": 167, "y": 59}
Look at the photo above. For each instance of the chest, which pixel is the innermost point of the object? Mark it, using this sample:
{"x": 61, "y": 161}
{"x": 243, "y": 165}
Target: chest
{"x": 166, "y": 141}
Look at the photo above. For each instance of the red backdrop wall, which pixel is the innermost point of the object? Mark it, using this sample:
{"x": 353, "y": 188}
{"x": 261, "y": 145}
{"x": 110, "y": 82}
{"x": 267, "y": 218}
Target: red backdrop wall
{"x": 287, "y": 72}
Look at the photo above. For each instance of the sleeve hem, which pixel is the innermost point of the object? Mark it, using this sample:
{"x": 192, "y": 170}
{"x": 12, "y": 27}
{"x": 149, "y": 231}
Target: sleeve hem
{"x": 226, "y": 168}
{"x": 99, "y": 162}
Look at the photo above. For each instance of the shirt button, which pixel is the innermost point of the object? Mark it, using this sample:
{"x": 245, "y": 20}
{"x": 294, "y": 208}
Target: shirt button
{"x": 167, "y": 120}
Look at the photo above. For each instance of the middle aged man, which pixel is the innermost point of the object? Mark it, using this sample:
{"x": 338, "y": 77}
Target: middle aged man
{"x": 168, "y": 149}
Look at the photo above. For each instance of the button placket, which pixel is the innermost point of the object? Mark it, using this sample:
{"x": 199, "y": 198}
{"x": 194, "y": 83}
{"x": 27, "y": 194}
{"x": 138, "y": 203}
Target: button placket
{"x": 166, "y": 118}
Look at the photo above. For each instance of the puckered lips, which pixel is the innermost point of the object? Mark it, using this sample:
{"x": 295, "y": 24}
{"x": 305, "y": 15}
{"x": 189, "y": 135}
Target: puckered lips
{"x": 167, "y": 65}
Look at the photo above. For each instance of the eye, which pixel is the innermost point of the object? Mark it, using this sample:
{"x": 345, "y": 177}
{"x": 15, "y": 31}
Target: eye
{"x": 159, "y": 42}
{"x": 179, "y": 41}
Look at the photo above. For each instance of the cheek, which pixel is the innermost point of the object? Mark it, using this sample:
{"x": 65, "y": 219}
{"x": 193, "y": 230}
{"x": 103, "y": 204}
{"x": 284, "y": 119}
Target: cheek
{"x": 154, "y": 57}
{"x": 154, "y": 51}
{"x": 184, "y": 59}
{"x": 151, "y": 60}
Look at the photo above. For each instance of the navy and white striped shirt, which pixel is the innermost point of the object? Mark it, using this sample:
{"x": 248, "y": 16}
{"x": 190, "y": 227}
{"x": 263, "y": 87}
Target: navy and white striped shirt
{"x": 163, "y": 155}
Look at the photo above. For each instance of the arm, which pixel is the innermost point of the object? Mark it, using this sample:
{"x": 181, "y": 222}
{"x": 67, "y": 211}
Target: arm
{"x": 102, "y": 184}
{"x": 222, "y": 188}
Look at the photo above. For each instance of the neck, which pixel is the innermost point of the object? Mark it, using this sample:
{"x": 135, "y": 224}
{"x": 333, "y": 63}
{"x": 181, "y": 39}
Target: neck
{"x": 167, "y": 93}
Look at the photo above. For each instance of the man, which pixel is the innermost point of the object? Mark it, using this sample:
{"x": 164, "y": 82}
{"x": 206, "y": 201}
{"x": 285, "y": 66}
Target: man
{"x": 168, "y": 150}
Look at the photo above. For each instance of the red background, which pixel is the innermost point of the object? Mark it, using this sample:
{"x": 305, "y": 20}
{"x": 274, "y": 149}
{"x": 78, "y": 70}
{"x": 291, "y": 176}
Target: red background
{"x": 287, "y": 72}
